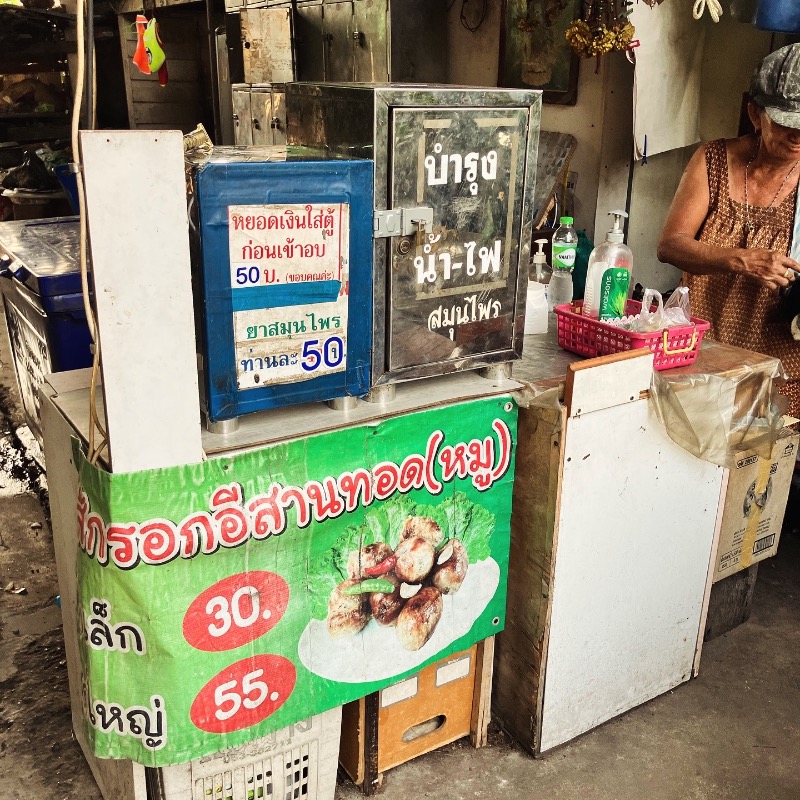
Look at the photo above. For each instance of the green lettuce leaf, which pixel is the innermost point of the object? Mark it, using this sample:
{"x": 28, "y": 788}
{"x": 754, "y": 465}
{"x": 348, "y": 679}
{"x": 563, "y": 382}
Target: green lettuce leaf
{"x": 456, "y": 515}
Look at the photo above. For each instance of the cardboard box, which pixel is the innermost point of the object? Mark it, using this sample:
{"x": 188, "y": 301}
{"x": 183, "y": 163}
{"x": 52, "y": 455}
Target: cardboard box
{"x": 754, "y": 506}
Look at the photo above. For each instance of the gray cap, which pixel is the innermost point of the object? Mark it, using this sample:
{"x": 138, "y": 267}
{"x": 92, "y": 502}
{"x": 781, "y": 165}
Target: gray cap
{"x": 776, "y": 86}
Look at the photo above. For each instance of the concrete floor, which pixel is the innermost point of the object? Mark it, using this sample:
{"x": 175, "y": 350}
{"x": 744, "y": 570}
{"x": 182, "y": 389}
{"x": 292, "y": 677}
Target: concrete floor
{"x": 731, "y": 734}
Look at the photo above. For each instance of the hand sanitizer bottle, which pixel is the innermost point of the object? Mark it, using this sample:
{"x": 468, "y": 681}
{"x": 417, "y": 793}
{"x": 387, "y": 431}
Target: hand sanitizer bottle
{"x": 609, "y": 276}
{"x": 536, "y": 303}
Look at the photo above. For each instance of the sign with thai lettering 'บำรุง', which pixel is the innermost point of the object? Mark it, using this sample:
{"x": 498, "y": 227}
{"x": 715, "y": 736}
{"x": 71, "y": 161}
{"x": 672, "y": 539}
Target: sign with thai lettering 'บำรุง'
{"x": 221, "y": 601}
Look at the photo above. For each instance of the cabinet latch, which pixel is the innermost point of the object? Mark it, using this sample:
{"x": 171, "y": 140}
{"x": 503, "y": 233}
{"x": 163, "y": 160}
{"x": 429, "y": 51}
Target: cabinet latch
{"x": 402, "y": 222}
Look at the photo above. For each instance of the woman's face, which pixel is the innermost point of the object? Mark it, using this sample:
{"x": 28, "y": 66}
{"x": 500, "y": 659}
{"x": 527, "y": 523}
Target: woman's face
{"x": 781, "y": 143}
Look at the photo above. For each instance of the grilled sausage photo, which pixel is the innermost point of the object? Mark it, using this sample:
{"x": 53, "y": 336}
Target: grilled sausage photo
{"x": 363, "y": 563}
{"x": 451, "y": 567}
{"x": 424, "y": 527}
{"x": 419, "y": 617}
{"x": 347, "y": 613}
{"x": 387, "y": 606}
{"x": 414, "y": 559}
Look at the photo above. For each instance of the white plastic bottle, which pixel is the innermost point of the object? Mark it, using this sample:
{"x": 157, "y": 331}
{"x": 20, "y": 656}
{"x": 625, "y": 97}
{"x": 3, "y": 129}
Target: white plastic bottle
{"x": 536, "y": 302}
{"x": 609, "y": 276}
{"x": 565, "y": 248}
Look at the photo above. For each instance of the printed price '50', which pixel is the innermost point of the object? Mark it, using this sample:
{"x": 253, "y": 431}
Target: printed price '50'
{"x": 331, "y": 353}
{"x": 244, "y": 694}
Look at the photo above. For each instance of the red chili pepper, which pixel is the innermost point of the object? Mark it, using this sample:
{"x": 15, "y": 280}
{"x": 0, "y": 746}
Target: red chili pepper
{"x": 387, "y": 565}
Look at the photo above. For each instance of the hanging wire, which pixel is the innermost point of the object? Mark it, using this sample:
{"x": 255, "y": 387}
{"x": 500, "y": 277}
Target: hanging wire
{"x": 472, "y": 27}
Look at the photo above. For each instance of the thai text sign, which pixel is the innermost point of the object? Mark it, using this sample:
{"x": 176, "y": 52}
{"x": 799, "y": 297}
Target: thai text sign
{"x": 272, "y": 245}
{"x": 225, "y": 600}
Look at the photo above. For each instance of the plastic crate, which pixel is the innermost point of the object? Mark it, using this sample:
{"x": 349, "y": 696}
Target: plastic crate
{"x": 295, "y": 763}
{"x": 672, "y": 347}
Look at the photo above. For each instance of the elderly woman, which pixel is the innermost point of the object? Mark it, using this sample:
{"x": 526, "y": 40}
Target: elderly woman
{"x": 731, "y": 221}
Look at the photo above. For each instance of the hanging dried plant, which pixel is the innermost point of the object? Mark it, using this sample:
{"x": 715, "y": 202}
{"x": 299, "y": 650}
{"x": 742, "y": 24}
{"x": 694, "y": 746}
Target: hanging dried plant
{"x": 603, "y": 28}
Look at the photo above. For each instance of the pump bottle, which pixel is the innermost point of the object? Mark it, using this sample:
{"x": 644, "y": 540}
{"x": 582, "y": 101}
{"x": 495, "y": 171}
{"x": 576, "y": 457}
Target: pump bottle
{"x": 609, "y": 275}
{"x": 536, "y": 302}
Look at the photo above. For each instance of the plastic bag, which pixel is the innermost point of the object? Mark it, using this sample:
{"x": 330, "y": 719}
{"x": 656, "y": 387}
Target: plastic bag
{"x": 675, "y": 312}
{"x": 646, "y": 320}
{"x": 676, "y": 309}
{"x": 726, "y": 402}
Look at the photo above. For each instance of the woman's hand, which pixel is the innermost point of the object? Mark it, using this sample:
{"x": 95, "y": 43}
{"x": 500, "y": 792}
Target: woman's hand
{"x": 769, "y": 268}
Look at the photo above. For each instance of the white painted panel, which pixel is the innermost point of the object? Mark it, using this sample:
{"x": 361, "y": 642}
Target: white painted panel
{"x": 136, "y": 201}
{"x": 612, "y": 384}
{"x": 635, "y": 534}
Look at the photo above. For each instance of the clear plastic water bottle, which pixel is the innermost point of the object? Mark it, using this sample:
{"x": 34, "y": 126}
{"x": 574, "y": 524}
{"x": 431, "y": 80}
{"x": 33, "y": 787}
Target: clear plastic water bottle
{"x": 559, "y": 290}
{"x": 565, "y": 248}
{"x": 565, "y": 245}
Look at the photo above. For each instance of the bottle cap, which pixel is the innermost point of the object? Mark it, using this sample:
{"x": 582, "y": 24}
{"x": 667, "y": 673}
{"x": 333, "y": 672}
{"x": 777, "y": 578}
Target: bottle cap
{"x": 566, "y": 220}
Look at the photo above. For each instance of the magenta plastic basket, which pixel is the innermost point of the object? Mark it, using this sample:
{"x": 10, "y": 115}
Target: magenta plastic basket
{"x": 672, "y": 347}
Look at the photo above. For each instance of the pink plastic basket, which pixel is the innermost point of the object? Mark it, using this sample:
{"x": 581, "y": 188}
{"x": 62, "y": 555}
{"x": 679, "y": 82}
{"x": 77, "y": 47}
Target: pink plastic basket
{"x": 673, "y": 347}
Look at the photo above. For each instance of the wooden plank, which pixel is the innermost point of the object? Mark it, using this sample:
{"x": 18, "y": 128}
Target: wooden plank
{"x": 137, "y": 6}
{"x": 124, "y": 23}
{"x": 711, "y": 570}
{"x": 267, "y": 45}
{"x": 179, "y": 69}
{"x": 295, "y": 422}
{"x": 482, "y": 697}
{"x": 183, "y": 93}
{"x": 136, "y": 205}
{"x": 351, "y": 744}
{"x": 164, "y": 114}
{"x": 521, "y": 646}
{"x": 598, "y": 383}
{"x": 372, "y": 777}
{"x": 630, "y": 568}
{"x": 730, "y": 603}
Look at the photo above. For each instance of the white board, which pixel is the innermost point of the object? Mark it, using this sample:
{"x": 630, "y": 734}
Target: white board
{"x": 634, "y": 539}
{"x": 136, "y": 202}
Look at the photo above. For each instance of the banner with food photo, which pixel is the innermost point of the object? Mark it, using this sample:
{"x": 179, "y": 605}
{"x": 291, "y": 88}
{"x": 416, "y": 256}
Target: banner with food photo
{"x": 222, "y": 601}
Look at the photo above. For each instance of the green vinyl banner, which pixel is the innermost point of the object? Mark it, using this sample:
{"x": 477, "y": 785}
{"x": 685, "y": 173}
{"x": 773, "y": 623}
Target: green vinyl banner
{"x": 222, "y": 601}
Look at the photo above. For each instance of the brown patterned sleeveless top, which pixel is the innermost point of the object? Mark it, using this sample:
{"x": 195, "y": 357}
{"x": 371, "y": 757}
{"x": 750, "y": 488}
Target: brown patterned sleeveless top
{"x": 741, "y": 311}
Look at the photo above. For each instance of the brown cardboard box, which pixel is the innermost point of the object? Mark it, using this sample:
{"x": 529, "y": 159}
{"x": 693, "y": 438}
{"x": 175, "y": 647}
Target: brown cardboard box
{"x": 754, "y": 505}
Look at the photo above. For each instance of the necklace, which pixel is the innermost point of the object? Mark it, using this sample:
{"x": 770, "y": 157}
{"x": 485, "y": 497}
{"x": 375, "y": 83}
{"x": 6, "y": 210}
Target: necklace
{"x": 748, "y": 225}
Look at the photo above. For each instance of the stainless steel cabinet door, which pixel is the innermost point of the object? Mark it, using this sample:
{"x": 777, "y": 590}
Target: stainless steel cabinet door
{"x": 337, "y": 23}
{"x": 261, "y": 110}
{"x": 370, "y": 41}
{"x": 309, "y": 43}
{"x": 267, "y": 43}
{"x": 278, "y": 121}
{"x": 242, "y": 118}
{"x": 453, "y": 289}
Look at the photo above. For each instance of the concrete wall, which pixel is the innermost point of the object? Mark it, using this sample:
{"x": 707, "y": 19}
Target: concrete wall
{"x": 602, "y": 122}
{"x": 474, "y": 60}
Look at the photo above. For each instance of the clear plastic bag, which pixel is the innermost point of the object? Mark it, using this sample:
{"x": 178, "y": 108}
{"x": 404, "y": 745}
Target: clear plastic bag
{"x": 676, "y": 309}
{"x": 726, "y": 402}
{"x": 675, "y": 312}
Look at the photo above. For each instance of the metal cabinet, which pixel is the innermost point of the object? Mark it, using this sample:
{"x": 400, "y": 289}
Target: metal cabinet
{"x": 454, "y": 183}
{"x": 366, "y": 40}
{"x": 283, "y": 259}
{"x": 259, "y": 114}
